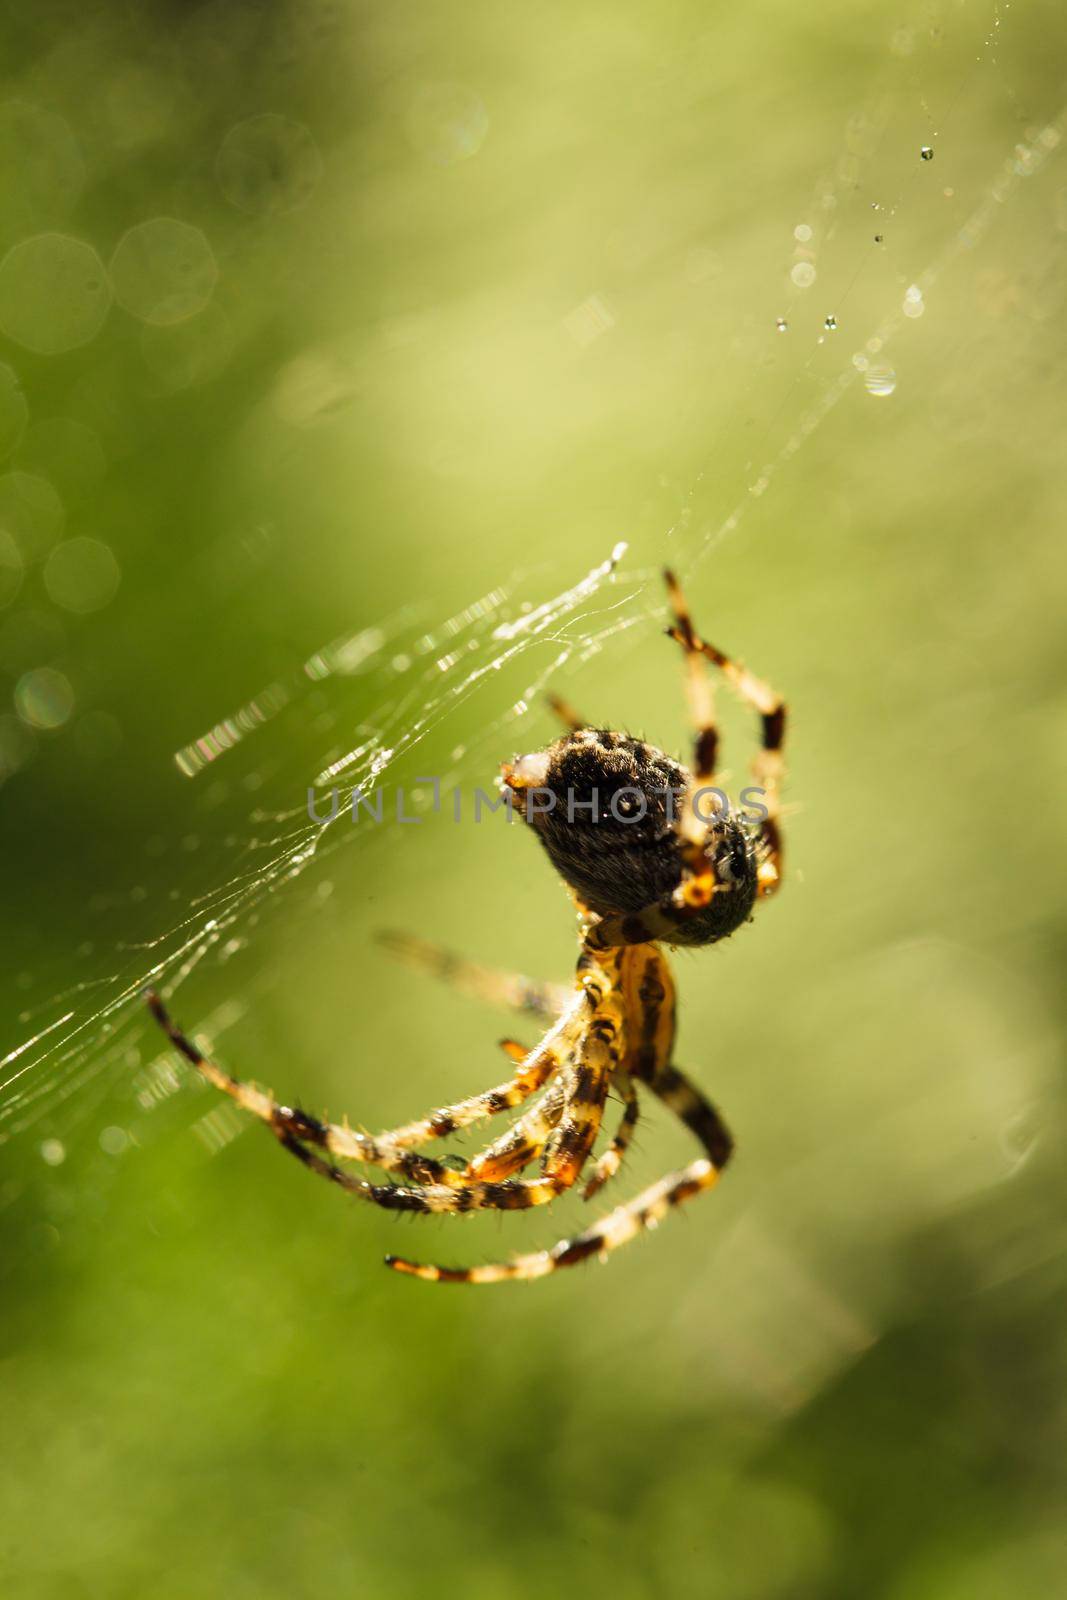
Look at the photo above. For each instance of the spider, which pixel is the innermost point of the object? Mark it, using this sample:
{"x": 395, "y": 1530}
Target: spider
{"x": 646, "y": 869}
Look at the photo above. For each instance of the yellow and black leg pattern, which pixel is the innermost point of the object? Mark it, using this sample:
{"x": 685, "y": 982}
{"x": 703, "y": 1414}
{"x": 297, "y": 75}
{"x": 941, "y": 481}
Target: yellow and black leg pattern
{"x": 612, "y": 1159}
{"x": 768, "y": 767}
{"x": 301, "y": 1133}
{"x": 643, "y": 1213}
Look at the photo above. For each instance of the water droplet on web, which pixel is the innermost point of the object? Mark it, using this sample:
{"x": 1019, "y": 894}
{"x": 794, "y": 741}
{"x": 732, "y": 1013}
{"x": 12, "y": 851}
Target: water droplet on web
{"x": 803, "y": 275}
{"x": 927, "y": 152}
{"x": 880, "y": 380}
{"x": 879, "y": 238}
{"x": 802, "y": 232}
{"x": 830, "y": 324}
{"x": 782, "y": 325}
{"x": 54, "y": 293}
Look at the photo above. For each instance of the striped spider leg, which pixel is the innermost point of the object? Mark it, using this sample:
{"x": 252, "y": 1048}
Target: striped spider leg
{"x": 767, "y": 765}
{"x": 581, "y": 1047}
{"x": 391, "y": 1151}
{"x": 713, "y": 894}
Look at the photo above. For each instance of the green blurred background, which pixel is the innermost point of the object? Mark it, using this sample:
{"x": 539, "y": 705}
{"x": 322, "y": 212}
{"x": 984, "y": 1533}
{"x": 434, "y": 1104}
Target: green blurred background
{"x": 318, "y": 317}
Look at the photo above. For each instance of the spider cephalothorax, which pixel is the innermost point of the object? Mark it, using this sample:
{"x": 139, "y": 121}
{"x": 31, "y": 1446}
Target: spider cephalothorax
{"x": 652, "y": 867}
{"x": 607, "y": 808}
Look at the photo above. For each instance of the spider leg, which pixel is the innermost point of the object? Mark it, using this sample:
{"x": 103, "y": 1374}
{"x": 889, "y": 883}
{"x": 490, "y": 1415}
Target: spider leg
{"x": 680, "y": 1095}
{"x": 645, "y": 1211}
{"x": 612, "y": 1159}
{"x": 768, "y": 765}
{"x": 697, "y": 685}
{"x": 536, "y": 1069}
{"x": 567, "y": 715}
{"x": 566, "y": 1150}
{"x": 523, "y": 1142}
{"x": 438, "y": 1188}
{"x": 511, "y": 989}
{"x": 566, "y": 1153}
{"x": 290, "y": 1124}
{"x": 295, "y": 1128}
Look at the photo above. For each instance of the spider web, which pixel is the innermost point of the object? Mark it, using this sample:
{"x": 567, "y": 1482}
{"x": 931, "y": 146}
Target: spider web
{"x": 401, "y": 682}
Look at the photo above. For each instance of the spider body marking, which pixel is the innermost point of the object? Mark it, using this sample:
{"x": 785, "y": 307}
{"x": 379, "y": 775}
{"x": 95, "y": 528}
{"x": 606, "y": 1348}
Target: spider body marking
{"x": 647, "y": 866}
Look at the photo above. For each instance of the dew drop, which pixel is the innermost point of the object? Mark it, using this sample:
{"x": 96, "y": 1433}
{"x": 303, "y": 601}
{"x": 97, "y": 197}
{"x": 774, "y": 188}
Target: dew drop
{"x": 927, "y": 152}
{"x": 803, "y": 275}
{"x": 782, "y": 325}
{"x": 914, "y": 305}
{"x": 880, "y": 381}
{"x": 830, "y": 324}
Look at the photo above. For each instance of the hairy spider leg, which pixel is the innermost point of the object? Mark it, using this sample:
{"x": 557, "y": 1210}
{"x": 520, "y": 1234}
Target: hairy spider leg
{"x": 566, "y": 1152}
{"x": 511, "y": 989}
{"x": 291, "y": 1126}
{"x": 768, "y": 767}
{"x": 698, "y": 687}
{"x": 439, "y": 1188}
{"x": 523, "y": 1142}
{"x": 645, "y": 1211}
{"x": 609, "y": 1163}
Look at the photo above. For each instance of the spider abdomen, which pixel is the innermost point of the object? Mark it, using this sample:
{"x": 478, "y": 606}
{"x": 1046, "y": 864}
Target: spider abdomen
{"x": 604, "y": 805}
